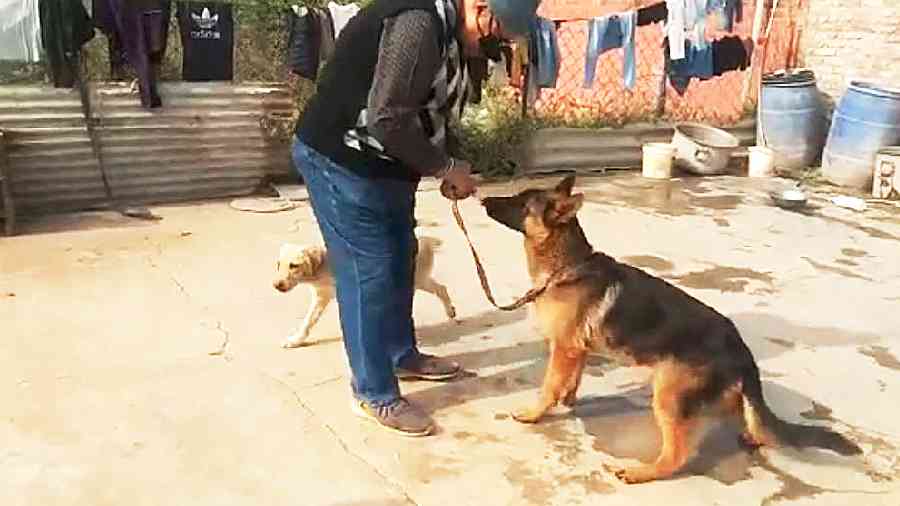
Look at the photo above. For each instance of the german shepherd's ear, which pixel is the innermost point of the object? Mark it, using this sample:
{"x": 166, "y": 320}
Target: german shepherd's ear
{"x": 564, "y": 188}
{"x": 565, "y": 208}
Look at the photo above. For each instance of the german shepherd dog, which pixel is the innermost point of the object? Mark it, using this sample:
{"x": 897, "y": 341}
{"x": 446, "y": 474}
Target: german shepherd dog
{"x": 592, "y": 302}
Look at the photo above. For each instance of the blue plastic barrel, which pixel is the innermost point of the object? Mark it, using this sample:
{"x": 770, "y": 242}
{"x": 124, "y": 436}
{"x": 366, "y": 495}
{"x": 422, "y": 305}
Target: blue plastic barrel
{"x": 791, "y": 119}
{"x": 867, "y": 119}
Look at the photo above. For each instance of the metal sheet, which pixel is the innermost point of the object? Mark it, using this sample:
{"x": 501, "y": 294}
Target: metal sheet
{"x": 205, "y": 142}
{"x": 558, "y": 149}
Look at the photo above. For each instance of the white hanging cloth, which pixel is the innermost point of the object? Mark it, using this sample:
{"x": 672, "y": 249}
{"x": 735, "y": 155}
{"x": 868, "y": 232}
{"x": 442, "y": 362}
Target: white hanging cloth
{"x": 20, "y": 31}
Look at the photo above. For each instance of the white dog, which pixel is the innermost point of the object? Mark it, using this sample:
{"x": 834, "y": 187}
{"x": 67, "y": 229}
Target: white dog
{"x": 309, "y": 265}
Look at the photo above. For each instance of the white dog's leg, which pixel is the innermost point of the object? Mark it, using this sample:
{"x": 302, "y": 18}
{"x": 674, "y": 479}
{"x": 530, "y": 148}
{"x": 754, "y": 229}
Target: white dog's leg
{"x": 440, "y": 291}
{"x": 321, "y": 299}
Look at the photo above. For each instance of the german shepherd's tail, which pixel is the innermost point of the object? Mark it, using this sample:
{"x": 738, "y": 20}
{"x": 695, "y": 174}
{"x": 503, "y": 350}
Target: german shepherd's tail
{"x": 767, "y": 429}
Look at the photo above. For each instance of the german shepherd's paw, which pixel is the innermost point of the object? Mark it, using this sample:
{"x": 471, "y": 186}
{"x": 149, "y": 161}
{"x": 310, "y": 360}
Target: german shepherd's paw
{"x": 527, "y": 415}
{"x": 636, "y": 474}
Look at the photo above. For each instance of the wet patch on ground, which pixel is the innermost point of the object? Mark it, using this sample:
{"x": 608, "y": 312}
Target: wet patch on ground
{"x": 725, "y": 279}
{"x": 651, "y": 262}
{"x": 485, "y": 437}
{"x": 781, "y": 342}
{"x": 882, "y": 357}
{"x": 854, "y": 253}
{"x": 676, "y": 197}
{"x": 840, "y": 271}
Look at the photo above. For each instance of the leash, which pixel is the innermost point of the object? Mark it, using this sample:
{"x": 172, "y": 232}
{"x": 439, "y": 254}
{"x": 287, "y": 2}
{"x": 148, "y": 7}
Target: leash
{"x": 530, "y": 295}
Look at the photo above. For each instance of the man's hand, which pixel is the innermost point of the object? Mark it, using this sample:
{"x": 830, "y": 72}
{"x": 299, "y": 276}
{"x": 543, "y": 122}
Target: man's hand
{"x": 458, "y": 183}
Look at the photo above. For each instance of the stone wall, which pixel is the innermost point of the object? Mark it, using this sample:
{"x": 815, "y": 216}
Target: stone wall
{"x": 851, "y": 39}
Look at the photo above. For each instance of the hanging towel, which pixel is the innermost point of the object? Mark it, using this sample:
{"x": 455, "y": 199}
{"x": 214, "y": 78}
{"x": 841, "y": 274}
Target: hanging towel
{"x": 304, "y": 30}
{"x": 730, "y": 54}
{"x": 545, "y": 63}
{"x": 65, "y": 28}
{"x": 20, "y": 31}
{"x": 611, "y": 32}
{"x": 207, "y": 35}
{"x": 341, "y": 15}
{"x": 695, "y": 22}
{"x": 675, "y": 27}
{"x": 652, "y": 14}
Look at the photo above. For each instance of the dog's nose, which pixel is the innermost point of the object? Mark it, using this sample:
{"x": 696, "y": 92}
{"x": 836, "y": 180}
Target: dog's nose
{"x": 279, "y": 285}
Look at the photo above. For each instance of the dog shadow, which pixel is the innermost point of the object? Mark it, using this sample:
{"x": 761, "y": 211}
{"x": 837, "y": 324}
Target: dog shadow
{"x": 768, "y": 335}
{"x": 624, "y": 427}
{"x": 472, "y": 386}
{"x": 449, "y": 331}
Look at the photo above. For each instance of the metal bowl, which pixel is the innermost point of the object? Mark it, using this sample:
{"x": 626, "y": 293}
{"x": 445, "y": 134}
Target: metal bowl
{"x": 789, "y": 199}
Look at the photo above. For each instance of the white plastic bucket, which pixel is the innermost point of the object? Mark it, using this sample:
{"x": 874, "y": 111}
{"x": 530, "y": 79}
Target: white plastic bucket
{"x": 657, "y": 160}
{"x": 762, "y": 162}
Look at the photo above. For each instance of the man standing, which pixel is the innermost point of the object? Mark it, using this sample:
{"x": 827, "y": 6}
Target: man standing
{"x": 376, "y": 125}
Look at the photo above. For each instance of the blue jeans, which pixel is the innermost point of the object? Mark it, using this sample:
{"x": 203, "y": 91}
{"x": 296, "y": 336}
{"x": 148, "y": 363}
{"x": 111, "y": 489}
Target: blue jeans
{"x": 368, "y": 226}
{"x": 611, "y": 32}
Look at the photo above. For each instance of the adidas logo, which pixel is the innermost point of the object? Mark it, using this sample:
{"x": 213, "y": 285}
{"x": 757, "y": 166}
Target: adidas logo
{"x": 205, "y": 21}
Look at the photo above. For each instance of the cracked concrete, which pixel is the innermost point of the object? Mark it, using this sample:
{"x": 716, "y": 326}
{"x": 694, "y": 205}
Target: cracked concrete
{"x": 114, "y": 333}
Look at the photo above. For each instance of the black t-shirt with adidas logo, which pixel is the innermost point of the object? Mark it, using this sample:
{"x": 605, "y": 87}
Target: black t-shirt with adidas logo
{"x": 207, "y": 34}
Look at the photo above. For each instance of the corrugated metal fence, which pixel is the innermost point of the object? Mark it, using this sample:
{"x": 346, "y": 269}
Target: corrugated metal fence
{"x": 206, "y": 141}
{"x": 556, "y": 149}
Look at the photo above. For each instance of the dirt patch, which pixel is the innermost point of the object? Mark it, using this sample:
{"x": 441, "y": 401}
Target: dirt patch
{"x": 835, "y": 270}
{"x": 724, "y": 279}
{"x": 882, "y": 357}
{"x": 782, "y": 342}
{"x": 854, "y": 253}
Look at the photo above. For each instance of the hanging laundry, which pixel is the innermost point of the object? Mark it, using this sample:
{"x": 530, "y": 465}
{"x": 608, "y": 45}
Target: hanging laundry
{"x": 141, "y": 29}
{"x": 652, "y": 14}
{"x": 65, "y": 28}
{"x": 104, "y": 13}
{"x": 477, "y": 74}
{"x": 545, "y": 63}
{"x": 20, "y": 31}
{"x": 207, "y": 35}
{"x": 697, "y": 63}
{"x": 674, "y": 28}
{"x": 304, "y": 34}
{"x": 611, "y": 32}
{"x": 341, "y": 15}
{"x": 731, "y": 54}
{"x": 499, "y": 70}
{"x": 517, "y": 65}
{"x": 728, "y": 12}
{"x": 326, "y": 34}
{"x": 695, "y": 22}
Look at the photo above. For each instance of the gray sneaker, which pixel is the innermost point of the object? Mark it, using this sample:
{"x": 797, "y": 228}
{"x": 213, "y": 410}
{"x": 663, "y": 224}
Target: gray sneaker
{"x": 399, "y": 416}
{"x": 427, "y": 367}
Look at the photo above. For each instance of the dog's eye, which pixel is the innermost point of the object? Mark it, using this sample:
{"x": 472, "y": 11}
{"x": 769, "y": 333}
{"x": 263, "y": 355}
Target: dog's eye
{"x": 294, "y": 266}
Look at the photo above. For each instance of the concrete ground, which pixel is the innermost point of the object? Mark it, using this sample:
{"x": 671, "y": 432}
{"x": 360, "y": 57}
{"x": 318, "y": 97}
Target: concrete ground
{"x": 140, "y": 362}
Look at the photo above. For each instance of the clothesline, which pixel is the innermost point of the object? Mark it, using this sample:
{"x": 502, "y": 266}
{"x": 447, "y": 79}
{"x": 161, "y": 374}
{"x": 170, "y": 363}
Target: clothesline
{"x": 687, "y": 52}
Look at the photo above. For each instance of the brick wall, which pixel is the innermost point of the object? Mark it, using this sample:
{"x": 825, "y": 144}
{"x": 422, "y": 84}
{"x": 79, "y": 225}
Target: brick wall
{"x": 851, "y": 39}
